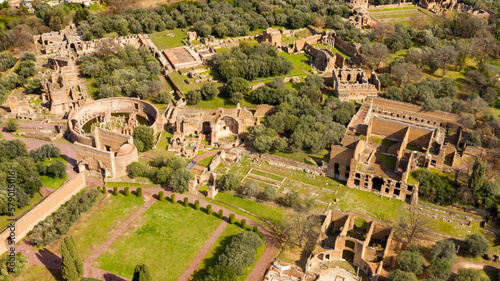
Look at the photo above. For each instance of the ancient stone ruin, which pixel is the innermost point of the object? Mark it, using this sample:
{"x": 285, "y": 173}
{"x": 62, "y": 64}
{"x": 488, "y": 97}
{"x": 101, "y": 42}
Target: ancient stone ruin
{"x": 386, "y": 140}
{"x": 352, "y": 84}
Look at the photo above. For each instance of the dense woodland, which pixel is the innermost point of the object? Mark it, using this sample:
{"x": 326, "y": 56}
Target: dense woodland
{"x": 23, "y": 170}
{"x": 123, "y": 72}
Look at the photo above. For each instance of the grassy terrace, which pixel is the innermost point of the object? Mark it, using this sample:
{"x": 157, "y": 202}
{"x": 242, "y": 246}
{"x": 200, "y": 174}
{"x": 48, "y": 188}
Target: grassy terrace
{"x": 270, "y": 213}
{"x": 267, "y": 175}
{"x": 162, "y": 41}
{"x": 176, "y": 234}
{"x": 99, "y": 224}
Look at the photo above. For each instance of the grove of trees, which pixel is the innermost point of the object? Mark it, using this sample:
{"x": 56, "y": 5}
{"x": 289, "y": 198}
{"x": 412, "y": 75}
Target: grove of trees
{"x": 126, "y": 71}
{"x": 165, "y": 171}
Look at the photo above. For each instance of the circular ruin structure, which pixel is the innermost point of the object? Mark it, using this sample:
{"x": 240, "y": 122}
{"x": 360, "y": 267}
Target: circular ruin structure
{"x": 120, "y": 115}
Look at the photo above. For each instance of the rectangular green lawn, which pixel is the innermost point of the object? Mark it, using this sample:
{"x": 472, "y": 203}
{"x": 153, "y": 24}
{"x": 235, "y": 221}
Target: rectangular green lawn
{"x": 93, "y": 230}
{"x": 163, "y": 40}
{"x": 166, "y": 238}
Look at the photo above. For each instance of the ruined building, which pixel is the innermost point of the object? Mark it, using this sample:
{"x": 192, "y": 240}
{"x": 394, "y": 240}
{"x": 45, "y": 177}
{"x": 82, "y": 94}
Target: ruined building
{"x": 223, "y": 127}
{"x": 352, "y": 84}
{"x": 272, "y": 35}
{"x": 102, "y": 133}
{"x": 354, "y": 237}
{"x": 353, "y": 4}
{"x": 109, "y": 154}
{"x": 62, "y": 89}
{"x": 386, "y": 140}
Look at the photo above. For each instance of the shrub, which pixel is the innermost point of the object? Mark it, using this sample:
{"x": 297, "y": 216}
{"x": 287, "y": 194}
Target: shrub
{"x": 221, "y": 214}
{"x": 186, "y": 202}
{"x": 232, "y": 219}
{"x": 209, "y": 209}
{"x": 410, "y": 261}
{"x": 173, "y": 198}
{"x": 197, "y": 205}
{"x": 477, "y": 244}
{"x": 241, "y": 251}
{"x": 126, "y": 191}
{"x": 12, "y": 125}
{"x": 228, "y": 182}
{"x": 115, "y": 191}
{"x": 161, "y": 196}
{"x": 292, "y": 199}
{"x": 255, "y": 228}
{"x": 139, "y": 192}
{"x": 103, "y": 190}
{"x": 244, "y": 223}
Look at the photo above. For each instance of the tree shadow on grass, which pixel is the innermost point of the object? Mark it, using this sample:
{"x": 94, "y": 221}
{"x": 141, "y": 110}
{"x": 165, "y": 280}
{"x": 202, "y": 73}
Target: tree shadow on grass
{"x": 210, "y": 262}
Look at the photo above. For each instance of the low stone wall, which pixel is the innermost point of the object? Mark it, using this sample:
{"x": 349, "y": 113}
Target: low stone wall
{"x": 44, "y": 209}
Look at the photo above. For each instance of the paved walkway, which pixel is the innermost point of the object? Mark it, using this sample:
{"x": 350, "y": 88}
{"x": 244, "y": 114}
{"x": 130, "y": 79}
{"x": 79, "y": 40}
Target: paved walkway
{"x": 203, "y": 252}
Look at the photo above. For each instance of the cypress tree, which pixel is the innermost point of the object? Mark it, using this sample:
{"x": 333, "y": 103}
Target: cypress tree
{"x": 161, "y": 196}
{"x": 139, "y": 192}
{"x": 186, "y": 202}
{"x": 141, "y": 273}
{"x": 71, "y": 262}
{"x": 173, "y": 198}
{"x": 476, "y": 180}
{"x": 126, "y": 191}
{"x": 209, "y": 209}
{"x": 221, "y": 214}
{"x": 197, "y": 205}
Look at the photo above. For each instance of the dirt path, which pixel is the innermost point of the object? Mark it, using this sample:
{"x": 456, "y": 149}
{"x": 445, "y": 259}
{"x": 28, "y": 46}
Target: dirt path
{"x": 203, "y": 252}
{"x": 473, "y": 265}
{"x": 205, "y": 155}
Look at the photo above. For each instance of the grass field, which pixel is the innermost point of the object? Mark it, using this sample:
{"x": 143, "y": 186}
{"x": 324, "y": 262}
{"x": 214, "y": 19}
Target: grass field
{"x": 53, "y": 183}
{"x": 270, "y": 213}
{"x": 299, "y": 62}
{"x": 161, "y": 146}
{"x": 39, "y": 273}
{"x": 304, "y": 156}
{"x": 162, "y": 41}
{"x": 389, "y": 161}
{"x": 99, "y": 224}
{"x": 166, "y": 238}
{"x": 223, "y": 102}
{"x": 400, "y": 14}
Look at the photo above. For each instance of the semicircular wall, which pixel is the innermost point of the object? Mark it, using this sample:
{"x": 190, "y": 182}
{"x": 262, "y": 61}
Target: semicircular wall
{"x": 89, "y": 111}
